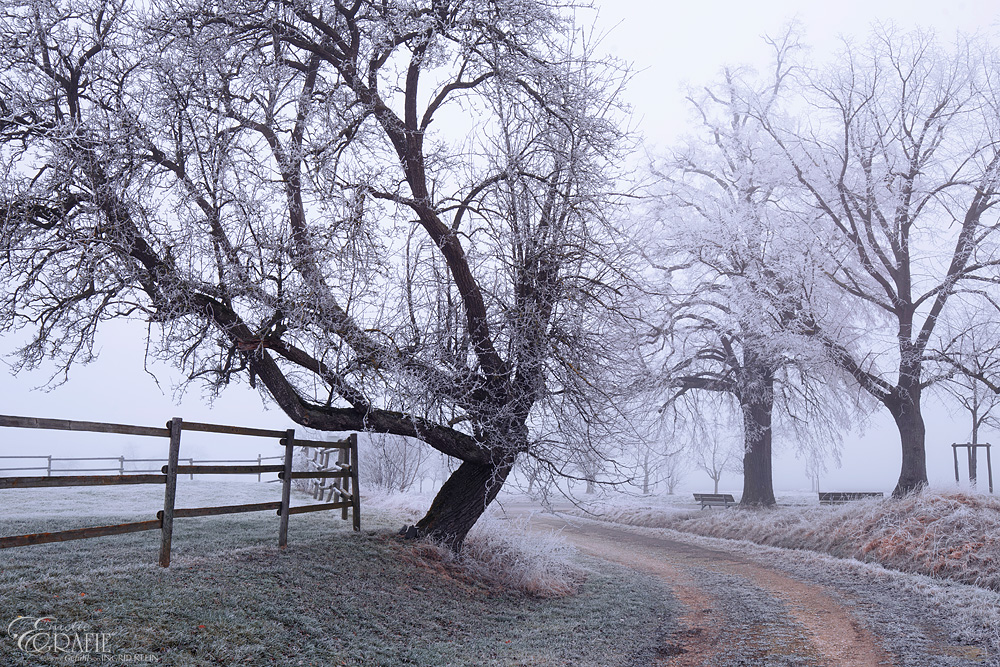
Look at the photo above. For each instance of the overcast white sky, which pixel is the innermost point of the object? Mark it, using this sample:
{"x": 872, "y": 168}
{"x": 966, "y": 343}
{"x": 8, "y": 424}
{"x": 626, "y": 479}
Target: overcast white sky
{"x": 670, "y": 44}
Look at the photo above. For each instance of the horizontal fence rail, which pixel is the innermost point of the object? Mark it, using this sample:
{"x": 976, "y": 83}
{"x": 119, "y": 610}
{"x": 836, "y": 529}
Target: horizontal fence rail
{"x": 122, "y": 466}
{"x": 93, "y": 427}
{"x": 79, "y": 534}
{"x": 225, "y": 470}
{"x": 344, "y": 473}
{"x": 224, "y": 509}
{"x": 302, "y": 509}
{"x": 337, "y": 444}
{"x": 79, "y": 480}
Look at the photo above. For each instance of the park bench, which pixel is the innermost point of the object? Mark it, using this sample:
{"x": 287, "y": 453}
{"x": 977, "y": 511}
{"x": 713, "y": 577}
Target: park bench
{"x": 841, "y": 497}
{"x": 715, "y": 499}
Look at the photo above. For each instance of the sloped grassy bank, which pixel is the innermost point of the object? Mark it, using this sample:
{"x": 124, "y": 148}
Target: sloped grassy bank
{"x": 334, "y": 597}
{"x": 943, "y": 534}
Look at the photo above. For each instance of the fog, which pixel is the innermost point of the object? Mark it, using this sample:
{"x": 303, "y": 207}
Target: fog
{"x": 670, "y": 44}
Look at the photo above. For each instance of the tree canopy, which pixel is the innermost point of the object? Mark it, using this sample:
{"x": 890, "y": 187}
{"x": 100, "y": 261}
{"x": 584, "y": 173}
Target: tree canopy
{"x": 395, "y": 217}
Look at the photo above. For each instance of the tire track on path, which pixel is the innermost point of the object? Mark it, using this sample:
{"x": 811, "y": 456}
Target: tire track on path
{"x": 738, "y": 613}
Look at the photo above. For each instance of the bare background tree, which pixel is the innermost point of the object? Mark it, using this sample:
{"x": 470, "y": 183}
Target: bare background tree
{"x": 895, "y": 150}
{"x": 737, "y": 277}
{"x": 971, "y": 359}
{"x": 393, "y": 463}
{"x": 673, "y": 470}
{"x": 388, "y": 217}
{"x": 714, "y": 456}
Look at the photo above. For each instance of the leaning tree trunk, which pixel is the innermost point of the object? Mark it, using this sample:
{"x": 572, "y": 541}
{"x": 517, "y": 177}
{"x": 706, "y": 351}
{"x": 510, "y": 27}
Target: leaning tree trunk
{"x": 461, "y": 501}
{"x": 758, "y": 484}
{"x": 905, "y": 409}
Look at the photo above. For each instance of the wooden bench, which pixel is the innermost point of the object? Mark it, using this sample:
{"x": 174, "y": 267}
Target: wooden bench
{"x": 841, "y": 497}
{"x": 715, "y": 499}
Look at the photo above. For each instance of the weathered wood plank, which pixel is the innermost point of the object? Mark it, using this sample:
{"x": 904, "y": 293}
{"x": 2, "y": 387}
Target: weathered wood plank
{"x": 317, "y": 508}
{"x": 715, "y": 500}
{"x": 225, "y": 470}
{"x": 339, "y": 444}
{"x": 78, "y": 534}
{"x": 232, "y": 430}
{"x": 175, "y": 426}
{"x": 79, "y": 480}
{"x": 317, "y": 474}
{"x": 221, "y": 509}
{"x": 355, "y": 489}
{"x": 286, "y": 488}
{"x": 69, "y": 425}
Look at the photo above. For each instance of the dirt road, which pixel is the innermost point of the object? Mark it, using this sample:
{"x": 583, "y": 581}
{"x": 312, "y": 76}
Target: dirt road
{"x": 739, "y": 612}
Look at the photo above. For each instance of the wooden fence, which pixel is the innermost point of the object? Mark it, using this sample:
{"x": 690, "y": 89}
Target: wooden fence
{"x": 120, "y": 460}
{"x": 346, "y": 473}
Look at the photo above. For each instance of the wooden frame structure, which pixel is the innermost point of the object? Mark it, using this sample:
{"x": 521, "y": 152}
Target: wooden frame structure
{"x": 971, "y": 448}
{"x": 348, "y": 496}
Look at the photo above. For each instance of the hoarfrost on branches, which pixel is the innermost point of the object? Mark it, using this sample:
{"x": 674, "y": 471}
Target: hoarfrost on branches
{"x": 391, "y": 217}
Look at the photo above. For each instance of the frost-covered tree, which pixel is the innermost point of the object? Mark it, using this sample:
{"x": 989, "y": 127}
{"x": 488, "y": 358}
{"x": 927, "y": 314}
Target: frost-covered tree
{"x": 895, "y": 148}
{"x": 736, "y": 275}
{"x": 658, "y": 461}
{"x": 394, "y": 217}
{"x": 656, "y": 454}
{"x": 714, "y": 456}
{"x": 673, "y": 470}
{"x": 391, "y": 462}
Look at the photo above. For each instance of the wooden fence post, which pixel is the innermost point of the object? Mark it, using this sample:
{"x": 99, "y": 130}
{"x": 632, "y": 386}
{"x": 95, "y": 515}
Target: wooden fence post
{"x": 121, "y": 465}
{"x": 343, "y": 483}
{"x": 170, "y": 495}
{"x": 989, "y": 467}
{"x": 355, "y": 490}
{"x": 286, "y": 488}
{"x": 258, "y": 463}
{"x": 48, "y": 470}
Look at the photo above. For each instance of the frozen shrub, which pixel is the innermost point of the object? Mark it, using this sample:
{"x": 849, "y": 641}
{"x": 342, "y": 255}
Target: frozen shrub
{"x": 498, "y": 551}
{"x": 510, "y": 554}
{"x": 506, "y": 554}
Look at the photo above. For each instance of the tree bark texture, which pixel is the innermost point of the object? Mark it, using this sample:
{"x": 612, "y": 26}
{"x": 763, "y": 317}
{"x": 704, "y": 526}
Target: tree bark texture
{"x": 461, "y": 501}
{"x": 758, "y": 484}
{"x": 912, "y": 434}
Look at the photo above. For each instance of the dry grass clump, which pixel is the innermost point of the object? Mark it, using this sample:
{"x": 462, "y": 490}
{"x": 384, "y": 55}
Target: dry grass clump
{"x": 945, "y": 534}
{"x": 505, "y": 555}
{"x": 948, "y": 535}
{"x": 498, "y": 552}
{"x": 508, "y": 553}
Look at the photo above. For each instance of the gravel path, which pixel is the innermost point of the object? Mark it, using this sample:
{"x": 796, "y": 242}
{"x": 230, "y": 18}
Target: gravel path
{"x": 768, "y": 607}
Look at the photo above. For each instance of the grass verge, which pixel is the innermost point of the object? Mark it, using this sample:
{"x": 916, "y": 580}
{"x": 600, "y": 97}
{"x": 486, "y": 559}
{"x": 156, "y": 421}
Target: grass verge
{"x": 943, "y": 534}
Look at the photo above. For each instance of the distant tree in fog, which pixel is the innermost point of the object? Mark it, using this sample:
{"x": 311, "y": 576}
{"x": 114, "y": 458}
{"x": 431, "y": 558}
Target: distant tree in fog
{"x": 737, "y": 275}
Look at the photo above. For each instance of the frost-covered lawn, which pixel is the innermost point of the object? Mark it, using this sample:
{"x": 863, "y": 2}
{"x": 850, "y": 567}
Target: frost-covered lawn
{"x": 332, "y": 597}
